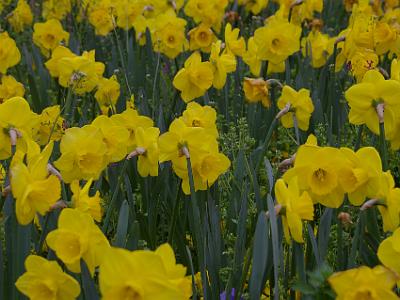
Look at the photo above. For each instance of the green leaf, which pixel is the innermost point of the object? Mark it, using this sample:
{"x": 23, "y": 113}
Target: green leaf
{"x": 122, "y": 227}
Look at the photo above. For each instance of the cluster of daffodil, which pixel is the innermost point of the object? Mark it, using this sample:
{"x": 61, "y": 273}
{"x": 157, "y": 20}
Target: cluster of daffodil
{"x": 79, "y": 238}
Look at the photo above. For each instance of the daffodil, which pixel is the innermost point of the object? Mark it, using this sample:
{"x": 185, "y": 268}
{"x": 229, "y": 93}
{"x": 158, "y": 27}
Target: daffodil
{"x": 9, "y": 53}
{"x": 143, "y": 275}
{"x": 233, "y": 43}
{"x": 21, "y": 16}
{"x": 201, "y": 37}
{"x": 251, "y": 58}
{"x": 50, "y": 127}
{"x": 9, "y": 88}
{"x": 318, "y": 172}
{"x": 78, "y": 237}
{"x": 34, "y": 189}
{"x": 364, "y": 97}
{"x": 147, "y": 150}
{"x": 301, "y": 107}
{"x": 196, "y": 115}
{"x": 23, "y": 122}
{"x": 131, "y": 120}
{"x": 194, "y": 79}
{"x": 49, "y": 35}
{"x": 222, "y": 64}
{"x": 295, "y": 206}
{"x": 257, "y": 90}
{"x": 85, "y": 203}
{"x": 45, "y": 279}
{"x": 364, "y": 283}
{"x": 83, "y": 154}
{"x": 115, "y": 136}
{"x": 361, "y": 177}
{"x": 277, "y": 40}
{"x": 389, "y": 252}
{"x": 318, "y": 46}
{"x": 107, "y": 93}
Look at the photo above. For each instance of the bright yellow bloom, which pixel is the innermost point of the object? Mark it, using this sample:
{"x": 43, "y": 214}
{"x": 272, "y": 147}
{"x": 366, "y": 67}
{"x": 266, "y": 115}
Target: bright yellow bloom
{"x": 51, "y": 125}
{"x": 318, "y": 46}
{"x": 389, "y": 252}
{"x": 364, "y": 283}
{"x": 296, "y": 206}
{"x": 115, "y": 136}
{"x": 131, "y": 120}
{"x": 78, "y": 237}
{"x": 49, "y": 35}
{"x": 9, "y": 53}
{"x": 21, "y": 16}
{"x": 23, "y": 122}
{"x": 53, "y": 64}
{"x": 83, "y": 154}
{"x": 301, "y": 107}
{"x": 256, "y": 90}
{"x": 56, "y": 9}
{"x": 9, "y": 88}
{"x": 147, "y": 148}
{"x": 233, "y": 43}
{"x": 169, "y": 34}
{"x": 385, "y": 38}
{"x": 361, "y": 62}
{"x": 389, "y": 202}
{"x": 143, "y": 275}
{"x": 128, "y": 13}
{"x": 101, "y": 17}
{"x": 365, "y": 96}
{"x": 34, "y": 190}
{"x": 194, "y": 79}
{"x": 107, "y": 93}
{"x": 318, "y": 172}
{"x": 395, "y": 70}
{"x": 81, "y": 73}
{"x": 222, "y": 64}
{"x": 277, "y": 40}
{"x": 251, "y": 57}
{"x": 201, "y": 37}
{"x": 209, "y": 12}
{"x": 196, "y": 139}
{"x": 255, "y": 6}
{"x": 45, "y": 279}
{"x": 205, "y": 117}
{"x": 85, "y": 203}
{"x": 361, "y": 177}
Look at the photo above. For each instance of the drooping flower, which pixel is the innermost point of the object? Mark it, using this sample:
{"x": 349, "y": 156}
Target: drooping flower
{"x": 296, "y": 206}
{"x": 256, "y": 90}
{"x": 85, "y": 203}
{"x": 222, "y": 64}
{"x": 301, "y": 107}
{"x": 21, "y": 16}
{"x": 9, "y": 53}
{"x": 45, "y": 279}
{"x": 107, "y": 93}
{"x": 9, "y": 88}
{"x": 35, "y": 191}
{"x": 78, "y": 237}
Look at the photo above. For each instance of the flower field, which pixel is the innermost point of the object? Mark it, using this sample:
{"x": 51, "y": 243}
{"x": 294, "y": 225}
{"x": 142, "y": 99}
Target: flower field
{"x": 199, "y": 149}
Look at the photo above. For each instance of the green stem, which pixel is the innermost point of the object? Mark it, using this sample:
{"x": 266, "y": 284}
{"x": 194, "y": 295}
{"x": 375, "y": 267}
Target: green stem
{"x": 114, "y": 197}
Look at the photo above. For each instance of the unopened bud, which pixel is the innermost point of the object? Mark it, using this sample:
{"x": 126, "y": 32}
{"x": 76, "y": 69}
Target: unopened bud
{"x": 345, "y": 218}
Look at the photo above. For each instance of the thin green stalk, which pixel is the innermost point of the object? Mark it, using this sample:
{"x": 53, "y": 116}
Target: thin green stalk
{"x": 121, "y": 57}
{"x": 114, "y": 197}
